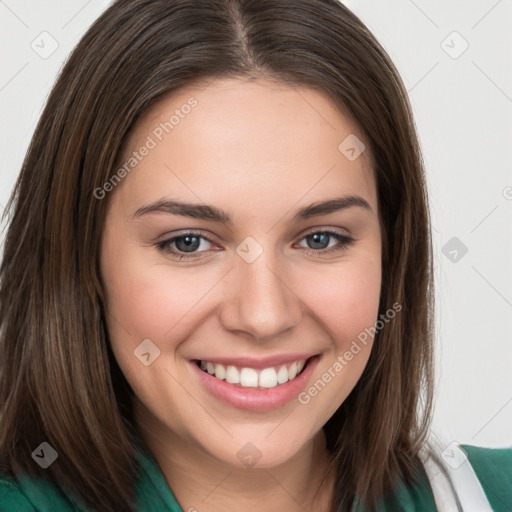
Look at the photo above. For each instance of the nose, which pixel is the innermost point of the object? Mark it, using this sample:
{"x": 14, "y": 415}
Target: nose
{"x": 261, "y": 301}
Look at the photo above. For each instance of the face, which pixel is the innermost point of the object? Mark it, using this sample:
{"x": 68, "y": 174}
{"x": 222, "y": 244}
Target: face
{"x": 235, "y": 316}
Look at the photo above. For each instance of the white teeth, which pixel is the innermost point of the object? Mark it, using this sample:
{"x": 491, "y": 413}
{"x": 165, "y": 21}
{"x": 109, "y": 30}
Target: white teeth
{"x": 251, "y": 378}
{"x": 292, "y": 371}
{"x": 268, "y": 378}
{"x": 282, "y": 375}
{"x": 220, "y": 372}
{"x": 232, "y": 375}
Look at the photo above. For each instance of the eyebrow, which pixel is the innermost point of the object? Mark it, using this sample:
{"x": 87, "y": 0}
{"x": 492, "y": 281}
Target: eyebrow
{"x": 207, "y": 212}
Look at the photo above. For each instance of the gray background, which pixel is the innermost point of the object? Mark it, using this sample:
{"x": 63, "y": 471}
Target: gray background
{"x": 462, "y": 100}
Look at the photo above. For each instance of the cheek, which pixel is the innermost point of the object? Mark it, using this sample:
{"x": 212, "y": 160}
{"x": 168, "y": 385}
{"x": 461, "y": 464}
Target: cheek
{"x": 345, "y": 297}
{"x": 148, "y": 301}
{"x": 346, "y": 301}
{"x": 159, "y": 302}
{"x": 151, "y": 300}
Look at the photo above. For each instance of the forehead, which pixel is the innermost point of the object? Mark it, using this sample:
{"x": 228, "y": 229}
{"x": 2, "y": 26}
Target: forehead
{"x": 246, "y": 143}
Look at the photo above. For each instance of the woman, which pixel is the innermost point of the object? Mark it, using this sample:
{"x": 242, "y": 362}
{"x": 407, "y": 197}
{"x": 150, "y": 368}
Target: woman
{"x": 216, "y": 291}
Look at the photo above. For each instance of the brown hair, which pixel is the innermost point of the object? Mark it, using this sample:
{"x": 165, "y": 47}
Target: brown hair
{"x": 59, "y": 381}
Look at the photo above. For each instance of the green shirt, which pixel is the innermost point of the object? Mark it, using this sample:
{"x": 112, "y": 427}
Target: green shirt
{"x": 493, "y": 468}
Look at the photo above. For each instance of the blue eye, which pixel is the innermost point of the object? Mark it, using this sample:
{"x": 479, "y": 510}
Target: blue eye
{"x": 186, "y": 245}
{"x": 320, "y": 238}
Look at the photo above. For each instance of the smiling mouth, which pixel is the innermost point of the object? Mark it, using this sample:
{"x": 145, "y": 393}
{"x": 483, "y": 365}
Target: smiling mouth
{"x": 245, "y": 377}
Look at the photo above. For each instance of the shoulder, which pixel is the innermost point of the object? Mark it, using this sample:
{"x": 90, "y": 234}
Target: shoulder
{"x": 33, "y": 494}
{"x": 29, "y": 494}
{"x": 493, "y": 468}
{"x": 11, "y": 497}
{"x": 435, "y": 487}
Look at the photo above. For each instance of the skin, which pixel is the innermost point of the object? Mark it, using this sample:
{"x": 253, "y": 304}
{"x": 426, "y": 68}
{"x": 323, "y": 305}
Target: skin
{"x": 260, "y": 151}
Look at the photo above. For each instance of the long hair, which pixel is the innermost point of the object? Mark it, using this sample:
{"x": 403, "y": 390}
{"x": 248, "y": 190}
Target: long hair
{"x": 59, "y": 381}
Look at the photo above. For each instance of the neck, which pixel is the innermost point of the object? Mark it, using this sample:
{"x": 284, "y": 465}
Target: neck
{"x": 202, "y": 483}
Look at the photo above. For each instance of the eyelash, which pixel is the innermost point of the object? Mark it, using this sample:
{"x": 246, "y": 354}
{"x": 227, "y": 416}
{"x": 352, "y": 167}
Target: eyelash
{"x": 344, "y": 243}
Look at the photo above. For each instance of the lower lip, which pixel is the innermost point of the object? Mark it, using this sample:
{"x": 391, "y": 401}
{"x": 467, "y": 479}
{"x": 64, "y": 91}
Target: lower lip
{"x": 256, "y": 399}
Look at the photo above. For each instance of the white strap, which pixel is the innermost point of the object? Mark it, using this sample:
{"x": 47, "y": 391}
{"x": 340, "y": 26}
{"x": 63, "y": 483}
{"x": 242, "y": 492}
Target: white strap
{"x": 441, "y": 488}
{"x": 466, "y": 485}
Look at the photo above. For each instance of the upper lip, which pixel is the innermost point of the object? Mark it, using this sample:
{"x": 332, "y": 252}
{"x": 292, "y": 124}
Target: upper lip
{"x": 257, "y": 363}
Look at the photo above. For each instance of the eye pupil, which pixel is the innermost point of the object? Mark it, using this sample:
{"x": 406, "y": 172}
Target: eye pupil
{"x": 321, "y": 238}
{"x": 191, "y": 243}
